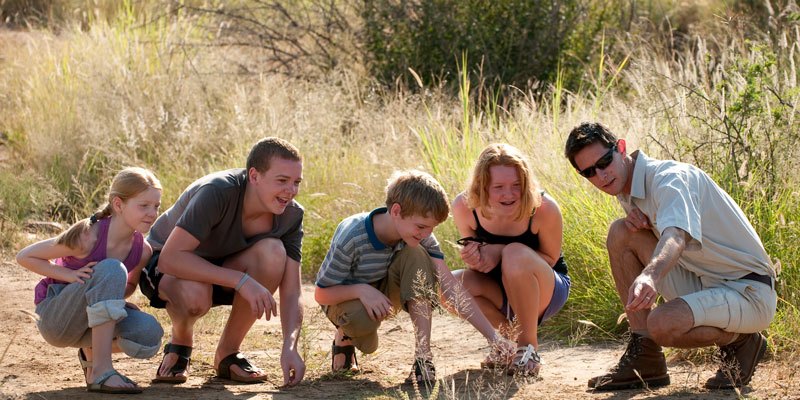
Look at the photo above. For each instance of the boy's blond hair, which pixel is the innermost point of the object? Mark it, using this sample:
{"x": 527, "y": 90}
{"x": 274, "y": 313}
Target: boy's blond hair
{"x": 417, "y": 193}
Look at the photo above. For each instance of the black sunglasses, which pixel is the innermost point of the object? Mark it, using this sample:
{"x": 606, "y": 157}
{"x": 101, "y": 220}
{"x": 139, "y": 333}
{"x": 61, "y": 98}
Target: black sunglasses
{"x": 601, "y": 163}
{"x": 465, "y": 240}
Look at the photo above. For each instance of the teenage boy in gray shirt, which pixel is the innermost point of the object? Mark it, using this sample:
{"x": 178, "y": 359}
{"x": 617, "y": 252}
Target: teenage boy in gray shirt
{"x": 232, "y": 237}
{"x": 685, "y": 239}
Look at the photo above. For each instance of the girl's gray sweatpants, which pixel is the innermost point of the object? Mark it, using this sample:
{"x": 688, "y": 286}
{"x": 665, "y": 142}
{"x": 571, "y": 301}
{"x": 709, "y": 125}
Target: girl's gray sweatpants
{"x": 69, "y": 311}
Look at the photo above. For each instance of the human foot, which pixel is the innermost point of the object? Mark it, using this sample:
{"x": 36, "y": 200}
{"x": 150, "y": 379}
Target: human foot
{"x": 174, "y": 367}
{"x": 111, "y": 381}
{"x": 238, "y": 369}
{"x": 501, "y": 353}
{"x": 423, "y": 371}
{"x": 343, "y": 354}
{"x": 526, "y": 361}
{"x": 738, "y": 362}
{"x": 642, "y": 365}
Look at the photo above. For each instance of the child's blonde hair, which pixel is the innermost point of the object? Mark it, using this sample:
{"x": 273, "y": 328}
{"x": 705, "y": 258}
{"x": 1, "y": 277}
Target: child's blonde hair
{"x": 502, "y": 154}
{"x": 127, "y": 184}
{"x": 417, "y": 193}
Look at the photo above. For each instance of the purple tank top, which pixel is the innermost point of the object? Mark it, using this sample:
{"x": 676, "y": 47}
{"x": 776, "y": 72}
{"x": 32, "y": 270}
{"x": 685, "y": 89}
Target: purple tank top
{"x": 98, "y": 254}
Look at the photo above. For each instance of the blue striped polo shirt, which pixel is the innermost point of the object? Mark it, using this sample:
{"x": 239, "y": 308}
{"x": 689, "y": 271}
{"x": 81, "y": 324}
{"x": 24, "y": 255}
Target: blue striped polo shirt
{"x": 357, "y": 256}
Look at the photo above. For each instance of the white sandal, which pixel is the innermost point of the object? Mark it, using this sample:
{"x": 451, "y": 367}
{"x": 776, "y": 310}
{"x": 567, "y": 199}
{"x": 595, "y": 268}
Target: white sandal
{"x": 523, "y": 356}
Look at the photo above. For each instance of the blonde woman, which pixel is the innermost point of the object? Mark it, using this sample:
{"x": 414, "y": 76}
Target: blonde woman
{"x": 512, "y": 233}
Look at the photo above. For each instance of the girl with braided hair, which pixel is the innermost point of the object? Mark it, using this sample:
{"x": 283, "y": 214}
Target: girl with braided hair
{"x": 89, "y": 271}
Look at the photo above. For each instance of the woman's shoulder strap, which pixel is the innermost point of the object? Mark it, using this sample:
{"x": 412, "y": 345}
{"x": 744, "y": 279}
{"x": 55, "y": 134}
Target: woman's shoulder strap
{"x": 477, "y": 221}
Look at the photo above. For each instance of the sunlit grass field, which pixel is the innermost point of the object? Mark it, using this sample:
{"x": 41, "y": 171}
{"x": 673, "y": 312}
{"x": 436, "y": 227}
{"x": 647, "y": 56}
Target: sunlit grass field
{"x": 80, "y": 102}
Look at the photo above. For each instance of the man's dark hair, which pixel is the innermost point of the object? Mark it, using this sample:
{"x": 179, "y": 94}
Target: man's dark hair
{"x": 584, "y": 135}
{"x": 262, "y": 153}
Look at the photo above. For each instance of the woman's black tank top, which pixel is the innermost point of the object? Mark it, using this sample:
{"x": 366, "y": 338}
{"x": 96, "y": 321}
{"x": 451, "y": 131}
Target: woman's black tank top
{"x": 528, "y": 238}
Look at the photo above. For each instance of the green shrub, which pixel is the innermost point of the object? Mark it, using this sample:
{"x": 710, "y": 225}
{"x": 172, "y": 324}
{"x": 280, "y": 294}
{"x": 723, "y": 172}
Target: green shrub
{"x": 506, "y": 41}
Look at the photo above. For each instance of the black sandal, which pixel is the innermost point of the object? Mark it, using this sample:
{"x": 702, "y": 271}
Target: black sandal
{"x": 237, "y": 359}
{"x": 424, "y": 372}
{"x": 184, "y": 356}
{"x": 349, "y": 352}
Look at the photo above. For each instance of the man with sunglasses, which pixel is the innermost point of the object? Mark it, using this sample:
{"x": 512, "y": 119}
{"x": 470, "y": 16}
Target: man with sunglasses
{"x": 686, "y": 240}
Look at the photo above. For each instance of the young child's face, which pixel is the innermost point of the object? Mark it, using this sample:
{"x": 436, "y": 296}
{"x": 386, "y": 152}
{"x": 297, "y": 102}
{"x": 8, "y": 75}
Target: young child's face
{"x": 414, "y": 228}
{"x": 140, "y": 211}
{"x": 505, "y": 190}
{"x": 278, "y": 185}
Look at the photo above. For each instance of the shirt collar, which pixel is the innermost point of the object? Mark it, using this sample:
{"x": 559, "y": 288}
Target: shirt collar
{"x": 639, "y": 170}
{"x": 373, "y": 238}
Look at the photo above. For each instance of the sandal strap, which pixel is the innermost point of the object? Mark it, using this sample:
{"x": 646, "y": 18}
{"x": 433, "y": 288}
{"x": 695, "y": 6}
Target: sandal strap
{"x": 526, "y": 354}
{"x": 184, "y": 357}
{"x": 421, "y": 363}
{"x": 103, "y": 378}
{"x": 348, "y": 351}
{"x": 181, "y": 350}
{"x": 84, "y": 362}
{"x": 237, "y": 359}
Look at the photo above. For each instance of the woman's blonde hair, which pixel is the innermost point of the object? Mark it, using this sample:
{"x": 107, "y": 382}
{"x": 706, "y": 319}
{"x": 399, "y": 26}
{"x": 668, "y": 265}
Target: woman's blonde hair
{"x": 477, "y": 194}
{"x": 127, "y": 184}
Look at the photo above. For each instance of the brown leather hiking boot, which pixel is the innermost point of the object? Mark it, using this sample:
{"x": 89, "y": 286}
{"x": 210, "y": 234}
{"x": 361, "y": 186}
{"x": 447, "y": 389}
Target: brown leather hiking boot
{"x": 738, "y": 361}
{"x": 642, "y": 364}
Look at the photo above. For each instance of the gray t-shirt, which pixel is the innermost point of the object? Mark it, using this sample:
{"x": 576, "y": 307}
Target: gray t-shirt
{"x": 723, "y": 243}
{"x": 210, "y": 209}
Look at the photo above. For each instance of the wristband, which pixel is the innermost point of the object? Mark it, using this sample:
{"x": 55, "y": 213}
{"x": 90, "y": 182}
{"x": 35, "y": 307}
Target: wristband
{"x": 241, "y": 282}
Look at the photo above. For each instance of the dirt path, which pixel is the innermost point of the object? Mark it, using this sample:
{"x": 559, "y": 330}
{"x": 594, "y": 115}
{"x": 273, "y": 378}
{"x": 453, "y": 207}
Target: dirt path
{"x": 30, "y": 368}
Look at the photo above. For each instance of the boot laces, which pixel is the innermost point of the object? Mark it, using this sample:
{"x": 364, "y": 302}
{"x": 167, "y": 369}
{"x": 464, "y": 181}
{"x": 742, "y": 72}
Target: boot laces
{"x": 632, "y": 351}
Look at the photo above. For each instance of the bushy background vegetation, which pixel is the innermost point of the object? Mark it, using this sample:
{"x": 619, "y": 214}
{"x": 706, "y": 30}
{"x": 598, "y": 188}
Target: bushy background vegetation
{"x": 364, "y": 88}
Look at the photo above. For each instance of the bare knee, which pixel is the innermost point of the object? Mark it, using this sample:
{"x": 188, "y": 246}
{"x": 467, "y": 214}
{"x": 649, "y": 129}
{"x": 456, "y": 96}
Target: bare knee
{"x": 668, "y": 322}
{"x": 190, "y": 298}
{"x": 271, "y": 255}
{"x": 618, "y": 235}
{"x": 519, "y": 260}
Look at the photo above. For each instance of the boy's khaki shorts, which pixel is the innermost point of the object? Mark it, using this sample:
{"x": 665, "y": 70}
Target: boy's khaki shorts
{"x": 740, "y": 306}
{"x": 410, "y": 275}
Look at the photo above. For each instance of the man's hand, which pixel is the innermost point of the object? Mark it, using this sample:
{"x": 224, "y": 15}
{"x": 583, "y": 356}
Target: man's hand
{"x": 260, "y": 299}
{"x": 293, "y": 367}
{"x": 636, "y": 220}
{"x": 642, "y": 293}
{"x": 377, "y": 304}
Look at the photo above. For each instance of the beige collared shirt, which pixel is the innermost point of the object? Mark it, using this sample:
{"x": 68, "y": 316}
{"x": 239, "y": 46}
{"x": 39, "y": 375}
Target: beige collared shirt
{"x": 723, "y": 243}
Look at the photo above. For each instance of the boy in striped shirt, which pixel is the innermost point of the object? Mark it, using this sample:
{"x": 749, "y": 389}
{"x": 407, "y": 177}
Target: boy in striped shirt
{"x": 387, "y": 260}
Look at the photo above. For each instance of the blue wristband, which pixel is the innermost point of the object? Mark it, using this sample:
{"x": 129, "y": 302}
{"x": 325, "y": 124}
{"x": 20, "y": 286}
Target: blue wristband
{"x": 241, "y": 282}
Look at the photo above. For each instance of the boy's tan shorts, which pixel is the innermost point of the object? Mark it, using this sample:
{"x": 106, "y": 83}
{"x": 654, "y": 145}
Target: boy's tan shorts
{"x": 410, "y": 275}
{"x": 741, "y": 306}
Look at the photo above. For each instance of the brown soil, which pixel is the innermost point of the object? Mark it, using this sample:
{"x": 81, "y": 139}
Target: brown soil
{"x": 31, "y": 368}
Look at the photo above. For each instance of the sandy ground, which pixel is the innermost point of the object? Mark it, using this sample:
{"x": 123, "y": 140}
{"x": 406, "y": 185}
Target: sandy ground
{"x": 30, "y": 368}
